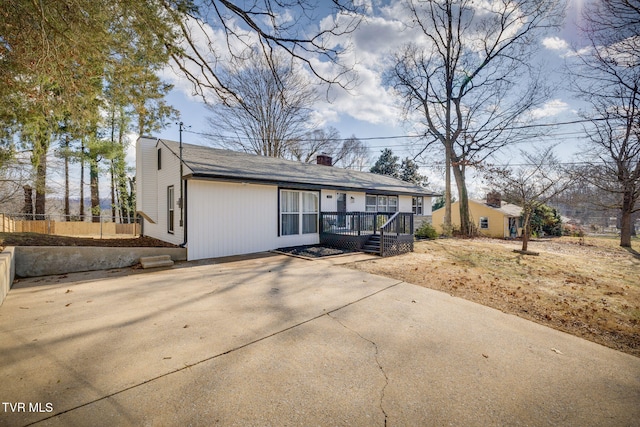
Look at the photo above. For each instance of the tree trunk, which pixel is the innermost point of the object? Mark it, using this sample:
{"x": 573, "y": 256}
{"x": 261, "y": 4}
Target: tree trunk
{"x": 131, "y": 200}
{"x": 113, "y": 194}
{"x": 41, "y": 181}
{"x": 125, "y": 204}
{"x": 526, "y": 230}
{"x": 28, "y": 202}
{"x": 113, "y": 184}
{"x": 95, "y": 195}
{"x": 82, "y": 182}
{"x": 67, "y": 209}
{"x": 625, "y": 221}
{"x": 447, "y": 191}
{"x": 459, "y": 174}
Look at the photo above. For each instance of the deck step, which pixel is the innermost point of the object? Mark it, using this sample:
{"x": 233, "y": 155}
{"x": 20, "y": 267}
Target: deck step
{"x": 372, "y": 245}
{"x": 156, "y": 261}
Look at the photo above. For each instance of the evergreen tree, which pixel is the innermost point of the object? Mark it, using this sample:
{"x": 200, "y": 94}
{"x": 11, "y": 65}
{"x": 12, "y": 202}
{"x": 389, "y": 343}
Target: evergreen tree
{"x": 545, "y": 219}
{"x": 387, "y": 164}
{"x": 409, "y": 172}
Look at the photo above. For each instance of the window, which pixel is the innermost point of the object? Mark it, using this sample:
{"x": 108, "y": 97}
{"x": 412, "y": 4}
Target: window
{"x": 381, "y": 203}
{"x": 416, "y": 206}
{"x": 371, "y": 203}
{"x": 159, "y": 158}
{"x": 289, "y": 212}
{"x": 393, "y": 203}
{"x": 484, "y": 223}
{"x": 309, "y": 213}
{"x": 170, "y": 208}
{"x": 298, "y": 212}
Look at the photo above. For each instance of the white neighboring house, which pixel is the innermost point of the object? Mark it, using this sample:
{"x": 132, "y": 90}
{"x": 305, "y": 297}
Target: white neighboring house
{"x": 223, "y": 202}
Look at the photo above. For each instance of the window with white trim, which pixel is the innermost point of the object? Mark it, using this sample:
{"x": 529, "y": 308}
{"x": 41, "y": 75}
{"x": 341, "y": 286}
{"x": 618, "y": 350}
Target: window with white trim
{"x": 371, "y": 203}
{"x": 484, "y": 222}
{"x": 416, "y": 205}
{"x": 393, "y": 203}
{"x": 298, "y": 212}
{"x": 170, "y": 208}
{"x": 381, "y": 203}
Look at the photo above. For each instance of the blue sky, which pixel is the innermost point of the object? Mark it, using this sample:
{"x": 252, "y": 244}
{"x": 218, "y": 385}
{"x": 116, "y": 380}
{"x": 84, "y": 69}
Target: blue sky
{"x": 370, "y": 111}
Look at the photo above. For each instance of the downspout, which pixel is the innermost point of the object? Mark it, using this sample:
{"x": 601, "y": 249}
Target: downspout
{"x": 184, "y": 203}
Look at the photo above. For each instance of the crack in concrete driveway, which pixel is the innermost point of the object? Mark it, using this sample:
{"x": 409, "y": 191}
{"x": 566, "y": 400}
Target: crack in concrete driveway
{"x": 298, "y": 356}
{"x": 375, "y": 347}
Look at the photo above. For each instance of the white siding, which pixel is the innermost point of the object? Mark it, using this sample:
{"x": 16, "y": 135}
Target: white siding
{"x": 234, "y": 218}
{"x": 328, "y": 201}
{"x": 426, "y": 207}
{"x": 355, "y": 201}
{"x": 146, "y": 178}
{"x": 405, "y": 203}
{"x": 168, "y": 175}
{"x": 358, "y": 204}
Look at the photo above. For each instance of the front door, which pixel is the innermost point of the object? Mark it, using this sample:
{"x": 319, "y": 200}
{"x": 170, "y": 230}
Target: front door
{"x": 342, "y": 209}
{"x": 513, "y": 228}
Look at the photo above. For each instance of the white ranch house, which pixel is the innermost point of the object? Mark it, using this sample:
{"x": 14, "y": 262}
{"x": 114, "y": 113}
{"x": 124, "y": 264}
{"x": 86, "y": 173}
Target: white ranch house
{"x": 221, "y": 203}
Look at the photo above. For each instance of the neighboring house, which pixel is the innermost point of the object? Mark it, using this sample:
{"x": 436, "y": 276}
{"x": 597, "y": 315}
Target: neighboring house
{"x": 492, "y": 218}
{"x": 235, "y": 203}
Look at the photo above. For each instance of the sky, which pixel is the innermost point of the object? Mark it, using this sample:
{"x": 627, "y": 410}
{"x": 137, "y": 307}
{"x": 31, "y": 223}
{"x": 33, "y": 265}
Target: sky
{"x": 371, "y": 112}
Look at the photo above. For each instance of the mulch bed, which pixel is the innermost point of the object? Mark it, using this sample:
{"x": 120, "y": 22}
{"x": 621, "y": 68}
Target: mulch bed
{"x": 35, "y": 239}
{"x": 314, "y": 251}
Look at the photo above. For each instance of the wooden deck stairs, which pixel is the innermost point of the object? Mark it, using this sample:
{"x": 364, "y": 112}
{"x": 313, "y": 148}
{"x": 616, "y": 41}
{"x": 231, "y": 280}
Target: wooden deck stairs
{"x": 372, "y": 246}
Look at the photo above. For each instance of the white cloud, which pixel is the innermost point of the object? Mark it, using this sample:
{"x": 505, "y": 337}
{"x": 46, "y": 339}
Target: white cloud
{"x": 369, "y": 101}
{"x": 555, "y": 43}
{"x": 550, "y": 108}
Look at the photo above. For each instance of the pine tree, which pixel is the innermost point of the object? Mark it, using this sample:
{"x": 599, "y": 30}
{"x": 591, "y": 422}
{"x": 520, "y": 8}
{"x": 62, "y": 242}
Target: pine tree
{"x": 387, "y": 164}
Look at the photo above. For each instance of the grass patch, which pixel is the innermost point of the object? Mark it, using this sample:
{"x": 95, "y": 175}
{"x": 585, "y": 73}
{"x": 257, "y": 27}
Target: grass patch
{"x": 589, "y": 289}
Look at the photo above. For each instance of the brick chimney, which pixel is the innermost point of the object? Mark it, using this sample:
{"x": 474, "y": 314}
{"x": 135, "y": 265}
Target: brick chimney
{"x": 323, "y": 159}
{"x": 494, "y": 199}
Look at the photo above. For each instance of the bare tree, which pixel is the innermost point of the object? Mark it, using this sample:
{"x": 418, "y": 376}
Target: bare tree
{"x": 469, "y": 76}
{"x": 353, "y": 154}
{"x": 275, "y": 111}
{"x": 540, "y": 179}
{"x": 608, "y": 77}
{"x": 317, "y": 141}
{"x": 347, "y": 153}
{"x": 262, "y": 27}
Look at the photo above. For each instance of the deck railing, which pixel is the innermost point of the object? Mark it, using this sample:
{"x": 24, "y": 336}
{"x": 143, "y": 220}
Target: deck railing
{"x": 353, "y": 223}
{"x": 396, "y": 235}
{"x": 352, "y": 230}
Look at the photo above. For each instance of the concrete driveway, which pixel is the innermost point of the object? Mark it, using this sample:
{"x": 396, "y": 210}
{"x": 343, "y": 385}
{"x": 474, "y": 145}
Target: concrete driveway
{"x": 275, "y": 340}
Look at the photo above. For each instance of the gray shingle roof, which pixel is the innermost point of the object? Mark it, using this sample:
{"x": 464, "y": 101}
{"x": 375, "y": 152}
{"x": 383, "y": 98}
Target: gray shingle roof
{"x": 506, "y": 208}
{"x": 214, "y": 163}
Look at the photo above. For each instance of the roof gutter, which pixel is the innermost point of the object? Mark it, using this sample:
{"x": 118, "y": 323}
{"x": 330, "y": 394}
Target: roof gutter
{"x": 307, "y": 186}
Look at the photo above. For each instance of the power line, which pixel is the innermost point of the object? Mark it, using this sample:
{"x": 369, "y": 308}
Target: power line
{"x": 408, "y": 136}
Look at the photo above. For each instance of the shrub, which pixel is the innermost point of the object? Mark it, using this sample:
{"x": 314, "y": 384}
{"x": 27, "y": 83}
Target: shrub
{"x": 426, "y": 231}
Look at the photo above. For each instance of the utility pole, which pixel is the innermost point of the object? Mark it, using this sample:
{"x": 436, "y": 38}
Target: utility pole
{"x": 181, "y": 201}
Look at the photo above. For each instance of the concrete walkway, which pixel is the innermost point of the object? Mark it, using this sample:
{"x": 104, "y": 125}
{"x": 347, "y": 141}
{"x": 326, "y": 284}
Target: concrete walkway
{"x": 275, "y": 340}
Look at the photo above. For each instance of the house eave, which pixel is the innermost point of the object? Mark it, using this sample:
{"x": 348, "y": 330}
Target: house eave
{"x": 306, "y": 185}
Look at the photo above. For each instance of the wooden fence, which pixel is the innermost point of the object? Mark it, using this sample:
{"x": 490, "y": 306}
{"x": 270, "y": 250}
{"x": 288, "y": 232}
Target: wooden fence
{"x": 63, "y": 228}
{"x": 7, "y": 225}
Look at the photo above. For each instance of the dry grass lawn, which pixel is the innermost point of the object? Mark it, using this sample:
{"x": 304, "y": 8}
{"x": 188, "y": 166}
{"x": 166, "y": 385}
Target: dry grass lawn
{"x": 590, "y": 289}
